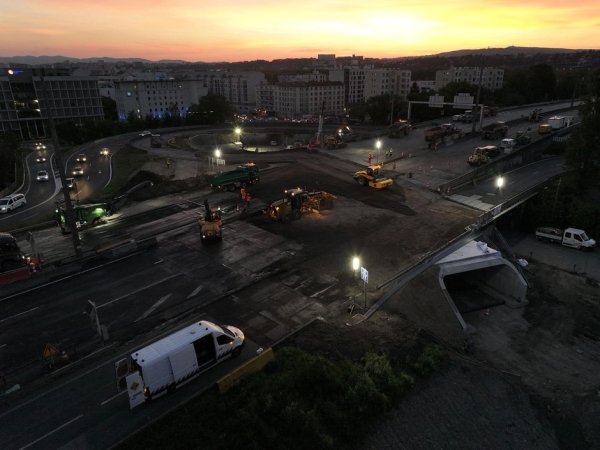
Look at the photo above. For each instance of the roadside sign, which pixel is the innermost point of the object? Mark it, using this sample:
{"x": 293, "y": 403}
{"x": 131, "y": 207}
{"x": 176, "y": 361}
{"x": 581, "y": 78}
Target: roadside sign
{"x": 463, "y": 101}
{"x": 436, "y": 101}
{"x": 364, "y": 274}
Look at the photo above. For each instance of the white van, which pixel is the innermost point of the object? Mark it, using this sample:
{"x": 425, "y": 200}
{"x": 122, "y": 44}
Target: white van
{"x": 174, "y": 360}
{"x": 507, "y": 145}
{"x": 11, "y": 202}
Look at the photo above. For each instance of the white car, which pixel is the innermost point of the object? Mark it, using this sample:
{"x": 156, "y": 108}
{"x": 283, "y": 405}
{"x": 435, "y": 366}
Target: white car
{"x": 145, "y": 133}
{"x": 77, "y": 171}
{"x": 70, "y": 183}
{"x": 11, "y": 202}
{"x": 42, "y": 175}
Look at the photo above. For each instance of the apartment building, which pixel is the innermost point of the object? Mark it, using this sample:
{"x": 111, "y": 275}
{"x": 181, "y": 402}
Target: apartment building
{"x": 298, "y": 99}
{"x": 29, "y": 95}
{"x": 386, "y": 81}
{"x": 491, "y": 77}
{"x": 157, "y": 97}
{"x": 238, "y": 88}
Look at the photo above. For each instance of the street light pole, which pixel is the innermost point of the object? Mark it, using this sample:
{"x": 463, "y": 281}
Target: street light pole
{"x": 69, "y": 213}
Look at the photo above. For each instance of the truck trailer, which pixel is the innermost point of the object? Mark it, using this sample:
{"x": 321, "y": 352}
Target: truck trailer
{"x": 570, "y": 237}
{"x": 242, "y": 176}
{"x": 174, "y": 360}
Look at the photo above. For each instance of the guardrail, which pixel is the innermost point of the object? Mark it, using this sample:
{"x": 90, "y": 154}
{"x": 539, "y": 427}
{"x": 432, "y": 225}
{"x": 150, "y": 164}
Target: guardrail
{"x": 523, "y": 155}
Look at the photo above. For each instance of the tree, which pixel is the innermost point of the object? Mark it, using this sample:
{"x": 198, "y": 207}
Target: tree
{"x": 212, "y": 109}
{"x": 110, "y": 108}
{"x": 583, "y": 149}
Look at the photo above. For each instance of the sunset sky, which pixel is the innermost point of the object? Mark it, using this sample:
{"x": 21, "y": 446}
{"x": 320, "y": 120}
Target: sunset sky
{"x": 240, "y": 30}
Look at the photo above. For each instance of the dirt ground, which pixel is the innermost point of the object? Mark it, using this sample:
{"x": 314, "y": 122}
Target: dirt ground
{"x": 530, "y": 380}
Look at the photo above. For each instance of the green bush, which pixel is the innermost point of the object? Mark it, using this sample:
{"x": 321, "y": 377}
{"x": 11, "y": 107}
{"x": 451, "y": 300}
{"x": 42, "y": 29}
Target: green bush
{"x": 298, "y": 401}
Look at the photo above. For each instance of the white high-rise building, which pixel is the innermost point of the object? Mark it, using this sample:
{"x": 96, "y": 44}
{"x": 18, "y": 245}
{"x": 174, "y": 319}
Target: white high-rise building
{"x": 298, "y": 99}
{"x": 491, "y": 77}
{"x": 387, "y": 81}
{"x": 157, "y": 98}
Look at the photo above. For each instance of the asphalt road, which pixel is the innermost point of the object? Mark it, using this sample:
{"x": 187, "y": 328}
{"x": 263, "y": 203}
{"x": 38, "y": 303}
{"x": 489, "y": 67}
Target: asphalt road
{"x": 166, "y": 286}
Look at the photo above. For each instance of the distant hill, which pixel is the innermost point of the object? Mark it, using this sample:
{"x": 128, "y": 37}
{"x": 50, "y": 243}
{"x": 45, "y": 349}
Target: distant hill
{"x": 512, "y": 50}
{"x": 505, "y": 52}
{"x": 45, "y": 60}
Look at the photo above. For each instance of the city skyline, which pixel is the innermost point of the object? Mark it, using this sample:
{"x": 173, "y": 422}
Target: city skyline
{"x": 237, "y": 30}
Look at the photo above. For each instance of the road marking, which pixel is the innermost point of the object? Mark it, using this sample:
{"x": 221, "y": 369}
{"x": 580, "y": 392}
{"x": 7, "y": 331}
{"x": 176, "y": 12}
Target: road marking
{"x": 153, "y": 307}
{"x": 3, "y": 345}
{"x": 112, "y": 398}
{"x": 159, "y": 261}
{"x": 323, "y": 290}
{"x": 51, "y": 432}
{"x": 138, "y": 290}
{"x": 20, "y": 314}
{"x": 195, "y": 291}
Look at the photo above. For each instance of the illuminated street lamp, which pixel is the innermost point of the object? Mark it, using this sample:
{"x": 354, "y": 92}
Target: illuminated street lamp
{"x": 355, "y": 265}
{"x": 238, "y": 134}
{"x": 499, "y": 183}
{"x": 217, "y": 153}
{"x": 378, "y": 147}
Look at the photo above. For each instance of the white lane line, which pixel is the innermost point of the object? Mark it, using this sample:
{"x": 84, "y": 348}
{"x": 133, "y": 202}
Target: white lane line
{"x": 159, "y": 261}
{"x": 195, "y": 291}
{"x": 323, "y": 290}
{"x": 138, "y": 290}
{"x": 51, "y": 432}
{"x": 3, "y": 345}
{"x": 20, "y": 314}
{"x": 153, "y": 307}
{"x": 112, "y": 398}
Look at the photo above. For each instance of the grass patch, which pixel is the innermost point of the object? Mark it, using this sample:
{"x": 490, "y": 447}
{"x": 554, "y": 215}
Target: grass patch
{"x": 126, "y": 163}
{"x": 301, "y": 400}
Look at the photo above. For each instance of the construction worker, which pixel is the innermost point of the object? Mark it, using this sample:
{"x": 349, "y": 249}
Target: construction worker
{"x": 247, "y": 199}
{"x": 370, "y": 157}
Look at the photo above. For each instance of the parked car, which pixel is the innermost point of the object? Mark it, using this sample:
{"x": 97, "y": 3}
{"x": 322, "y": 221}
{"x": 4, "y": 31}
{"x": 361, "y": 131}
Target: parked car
{"x": 145, "y": 133}
{"x": 42, "y": 175}
{"x": 81, "y": 158}
{"x": 77, "y": 171}
{"x": 11, "y": 202}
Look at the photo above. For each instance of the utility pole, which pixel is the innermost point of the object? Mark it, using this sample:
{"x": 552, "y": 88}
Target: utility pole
{"x": 478, "y": 95}
{"x": 392, "y": 112}
{"x": 69, "y": 213}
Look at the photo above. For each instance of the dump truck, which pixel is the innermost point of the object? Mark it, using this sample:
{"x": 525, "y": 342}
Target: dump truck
{"x": 438, "y": 133}
{"x": 496, "y": 130}
{"x": 176, "y": 359}
{"x": 242, "y": 176}
{"x": 14, "y": 264}
{"x": 297, "y": 202}
{"x": 488, "y": 111}
{"x": 522, "y": 137}
{"x": 399, "y": 128}
{"x": 373, "y": 177}
{"x": 91, "y": 214}
{"x": 478, "y": 157}
{"x": 569, "y": 237}
{"x": 211, "y": 225}
{"x": 334, "y": 141}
